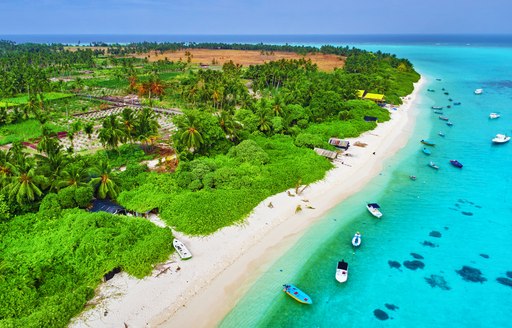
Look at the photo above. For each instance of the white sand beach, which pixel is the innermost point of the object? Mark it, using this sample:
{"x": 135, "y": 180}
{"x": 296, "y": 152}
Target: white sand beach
{"x": 201, "y": 291}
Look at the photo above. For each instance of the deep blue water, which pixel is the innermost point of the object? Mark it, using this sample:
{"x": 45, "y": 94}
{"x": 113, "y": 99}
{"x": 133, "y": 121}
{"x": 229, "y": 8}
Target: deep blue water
{"x": 451, "y": 218}
{"x": 401, "y": 39}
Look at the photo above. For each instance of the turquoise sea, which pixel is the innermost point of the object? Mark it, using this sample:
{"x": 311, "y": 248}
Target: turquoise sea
{"x": 456, "y": 224}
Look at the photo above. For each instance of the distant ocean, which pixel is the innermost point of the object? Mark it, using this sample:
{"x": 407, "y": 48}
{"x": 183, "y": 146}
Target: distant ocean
{"x": 399, "y": 39}
{"x": 441, "y": 254}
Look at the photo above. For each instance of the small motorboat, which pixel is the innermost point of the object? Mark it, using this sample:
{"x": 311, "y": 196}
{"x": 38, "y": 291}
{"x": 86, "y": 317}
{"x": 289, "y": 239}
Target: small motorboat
{"x": 428, "y": 143}
{"x": 479, "y": 91}
{"x": 373, "y": 208}
{"x": 449, "y": 123}
{"x": 426, "y": 151}
{"x": 457, "y": 103}
{"x": 297, "y": 294}
{"x": 500, "y": 139}
{"x": 456, "y": 163}
{"x": 182, "y": 250}
{"x": 492, "y": 116}
{"x": 433, "y": 165}
{"x": 441, "y": 134}
{"x": 438, "y": 112}
{"x": 412, "y": 177}
{"x": 443, "y": 118}
{"x": 431, "y": 90}
{"x": 450, "y": 99}
{"x": 342, "y": 271}
{"x": 447, "y": 93}
{"x": 356, "y": 240}
{"x": 437, "y": 107}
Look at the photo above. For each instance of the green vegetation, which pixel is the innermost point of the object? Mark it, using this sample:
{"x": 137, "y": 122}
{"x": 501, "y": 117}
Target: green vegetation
{"x": 51, "y": 266}
{"x": 24, "y": 130}
{"x": 47, "y": 96}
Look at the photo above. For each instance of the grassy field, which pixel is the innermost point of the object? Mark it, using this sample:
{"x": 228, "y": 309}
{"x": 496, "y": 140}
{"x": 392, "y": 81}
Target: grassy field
{"x": 23, "y": 131}
{"x": 22, "y": 100}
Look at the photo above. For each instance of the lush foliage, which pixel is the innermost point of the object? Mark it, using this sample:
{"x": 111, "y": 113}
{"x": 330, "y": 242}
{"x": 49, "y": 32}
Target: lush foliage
{"x": 51, "y": 266}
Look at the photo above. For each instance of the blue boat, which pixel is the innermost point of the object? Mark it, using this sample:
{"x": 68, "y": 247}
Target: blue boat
{"x": 426, "y": 151}
{"x": 297, "y": 294}
{"x": 457, "y": 103}
{"x": 456, "y": 163}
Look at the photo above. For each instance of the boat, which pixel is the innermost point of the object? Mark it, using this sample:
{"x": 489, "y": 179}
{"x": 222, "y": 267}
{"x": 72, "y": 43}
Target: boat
{"x": 297, "y": 294}
{"x": 449, "y": 123}
{"x": 428, "y": 143}
{"x": 444, "y": 118}
{"x": 437, "y": 107}
{"x": 443, "y": 89}
{"x": 342, "y": 271}
{"x": 426, "y": 151}
{"x": 433, "y": 165}
{"x": 448, "y": 106}
{"x": 457, "y": 103}
{"x": 447, "y": 93}
{"x": 438, "y": 112}
{"x": 456, "y": 163}
{"x": 431, "y": 90}
{"x": 479, "y": 91}
{"x": 438, "y": 79}
{"x": 412, "y": 177}
{"x": 450, "y": 99}
{"x": 494, "y": 115}
{"x": 356, "y": 240}
{"x": 374, "y": 209}
{"x": 500, "y": 139}
{"x": 441, "y": 134}
{"x": 182, "y": 250}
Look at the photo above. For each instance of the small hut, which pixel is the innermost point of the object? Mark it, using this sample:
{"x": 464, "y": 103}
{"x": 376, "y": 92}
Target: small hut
{"x": 326, "y": 153}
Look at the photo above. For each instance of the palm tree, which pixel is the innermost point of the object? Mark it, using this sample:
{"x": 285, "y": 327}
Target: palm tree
{"x": 192, "y": 138}
{"x": 105, "y": 184}
{"x": 89, "y": 129}
{"x": 26, "y": 184}
{"x": 128, "y": 118}
{"x": 73, "y": 175}
{"x": 146, "y": 125}
{"x": 112, "y": 133}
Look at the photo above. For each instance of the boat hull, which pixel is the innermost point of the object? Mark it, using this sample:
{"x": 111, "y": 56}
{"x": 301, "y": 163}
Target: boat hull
{"x": 374, "y": 211}
{"x": 181, "y": 249}
{"x": 342, "y": 271}
{"x": 297, "y": 294}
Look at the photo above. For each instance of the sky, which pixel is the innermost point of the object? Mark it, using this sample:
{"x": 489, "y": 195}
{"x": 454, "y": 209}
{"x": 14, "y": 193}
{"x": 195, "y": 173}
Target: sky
{"x": 255, "y": 17}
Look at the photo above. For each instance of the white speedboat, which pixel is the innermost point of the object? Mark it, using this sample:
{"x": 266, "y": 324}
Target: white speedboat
{"x": 479, "y": 91}
{"x": 342, "y": 271}
{"x": 356, "y": 240}
{"x": 182, "y": 250}
{"x": 494, "y": 115}
{"x": 374, "y": 209}
{"x": 500, "y": 138}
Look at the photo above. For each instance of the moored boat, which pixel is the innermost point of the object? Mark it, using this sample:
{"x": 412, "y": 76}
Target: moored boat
{"x": 426, "y": 151}
{"x": 479, "y": 91}
{"x": 456, "y": 163}
{"x": 457, "y": 103}
{"x": 433, "y": 165}
{"x": 431, "y": 90}
{"x": 437, "y": 107}
{"x": 342, "y": 271}
{"x": 449, "y": 123}
{"x": 373, "y": 208}
{"x": 494, "y": 115}
{"x": 441, "y": 134}
{"x": 443, "y": 118}
{"x": 356, "y": 240}
{"x": 500, "y": 139}
{"x": 427, "y": 142}
{"x": 297, "y": 294}
{"x": 438, "y": 112}
{"x": 182, "y": 250}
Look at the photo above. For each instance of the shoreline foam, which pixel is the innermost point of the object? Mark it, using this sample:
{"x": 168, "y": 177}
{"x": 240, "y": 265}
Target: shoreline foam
{"x": 226, "y": 263}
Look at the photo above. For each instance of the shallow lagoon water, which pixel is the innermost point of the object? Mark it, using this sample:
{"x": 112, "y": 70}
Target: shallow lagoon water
{"x": 458, "y": 221}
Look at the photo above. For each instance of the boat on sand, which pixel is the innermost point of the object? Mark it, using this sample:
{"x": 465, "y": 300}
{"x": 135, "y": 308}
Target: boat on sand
{"x": 182, "y": 250}
{"x": 342, "y": 271}
{"x": 373, "y": 208}
{"x": 297, "y": 294}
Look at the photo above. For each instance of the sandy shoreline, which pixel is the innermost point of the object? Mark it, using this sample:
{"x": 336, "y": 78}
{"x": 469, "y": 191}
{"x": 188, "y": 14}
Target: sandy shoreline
{"x": 226, "y": 263}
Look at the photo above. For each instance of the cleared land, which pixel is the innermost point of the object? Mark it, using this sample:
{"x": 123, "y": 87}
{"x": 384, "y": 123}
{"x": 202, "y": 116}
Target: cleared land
{"x": 245, "y": 57}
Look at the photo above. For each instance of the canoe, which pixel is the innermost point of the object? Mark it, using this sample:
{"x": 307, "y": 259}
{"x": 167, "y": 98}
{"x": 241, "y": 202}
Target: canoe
{"x": 428, "y": 143}
{"x": 182, "y": 250}
{"x": 297, "y": 294}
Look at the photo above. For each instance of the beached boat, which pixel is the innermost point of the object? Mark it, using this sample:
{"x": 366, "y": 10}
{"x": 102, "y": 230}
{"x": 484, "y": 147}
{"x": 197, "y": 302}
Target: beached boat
{"x": 426, "y": 151}
{"x": 443, "y": 118}
{"x": 433, "y": 165}
{"x": 441, "y": 134}
{"x": 492, "y": 116}
{"x": 373, "y": 208}
{"x": 356, "y": 240}
{"x": 500, "y": 139}
{"x": 426, "y": 142}
{"x": 479, "y": 91}
{"x": 457, "y": 103}
{"x": 437, "y": 107}
{"x": 297, "y": 294}
{"x": 456, "y": 163}
{"x": 342, "y": 271}
{"x": 182, "y": 250}
{"x": 449, "y": 123}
